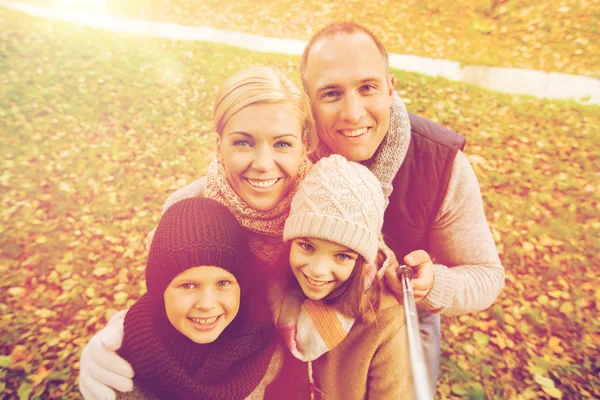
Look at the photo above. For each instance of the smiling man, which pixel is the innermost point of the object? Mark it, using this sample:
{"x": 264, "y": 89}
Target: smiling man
{"x": 435, "y": 208}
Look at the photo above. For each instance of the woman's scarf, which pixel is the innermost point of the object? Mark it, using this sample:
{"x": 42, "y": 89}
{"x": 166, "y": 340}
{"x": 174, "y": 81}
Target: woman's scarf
{"x": 170, "y": 365}
{"x": 266, "y": 228}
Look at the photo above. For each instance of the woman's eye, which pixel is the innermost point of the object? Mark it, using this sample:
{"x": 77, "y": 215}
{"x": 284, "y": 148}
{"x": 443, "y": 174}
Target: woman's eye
{"x": 187, "y": 286}
{"x": 241, "y": 143}
{"x": 223, "y": 283}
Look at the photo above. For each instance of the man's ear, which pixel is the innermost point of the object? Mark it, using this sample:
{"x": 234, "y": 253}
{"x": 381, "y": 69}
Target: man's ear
{"x": 391, "y": 83}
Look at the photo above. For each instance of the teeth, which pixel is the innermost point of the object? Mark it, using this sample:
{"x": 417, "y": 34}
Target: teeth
{"x": 355, "y": 132}
{"x": 316, "y": 283}
{"x": 262, "y": 184}
{"x": 204, "y": 321}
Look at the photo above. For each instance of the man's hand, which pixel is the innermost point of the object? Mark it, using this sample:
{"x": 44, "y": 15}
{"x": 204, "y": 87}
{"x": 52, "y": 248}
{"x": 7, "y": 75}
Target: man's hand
{"x": 101, "y": 369}
{"x": 423, "y": 273}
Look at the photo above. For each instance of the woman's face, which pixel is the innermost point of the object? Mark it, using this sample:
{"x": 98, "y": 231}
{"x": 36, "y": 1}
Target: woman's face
{"x": 320, "y": 266}
{"x": 261, "y": 149}
{"x": 201, "y": 302}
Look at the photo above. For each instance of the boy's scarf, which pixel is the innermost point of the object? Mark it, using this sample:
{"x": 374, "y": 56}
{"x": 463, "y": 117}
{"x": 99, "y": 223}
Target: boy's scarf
{"x": 266, "y": 228}
{"x": 172, "y": 366}
{"x": 388, "y": 158}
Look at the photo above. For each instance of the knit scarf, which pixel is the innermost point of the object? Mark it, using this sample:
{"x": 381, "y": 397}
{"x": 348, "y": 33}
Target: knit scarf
{"x": 172, "y": 366}
{"x": 388, "y": 158}
{"x": 266, "y": 228}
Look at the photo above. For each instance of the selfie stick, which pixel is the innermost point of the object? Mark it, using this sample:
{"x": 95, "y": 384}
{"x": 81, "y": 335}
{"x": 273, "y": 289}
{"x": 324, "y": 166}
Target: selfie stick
{"x": 417, "y": 360}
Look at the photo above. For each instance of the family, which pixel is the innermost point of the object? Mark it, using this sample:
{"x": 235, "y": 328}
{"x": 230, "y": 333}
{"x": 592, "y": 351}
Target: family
{"x": 275, "y": 275}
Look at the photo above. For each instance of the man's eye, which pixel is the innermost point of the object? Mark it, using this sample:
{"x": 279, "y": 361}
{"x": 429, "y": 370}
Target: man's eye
{"x": 367, "y": 88}
{"x": 329, "y": 95}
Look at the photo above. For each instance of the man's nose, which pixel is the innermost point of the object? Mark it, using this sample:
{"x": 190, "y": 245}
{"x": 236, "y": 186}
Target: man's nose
{"x": 353, "y": 108}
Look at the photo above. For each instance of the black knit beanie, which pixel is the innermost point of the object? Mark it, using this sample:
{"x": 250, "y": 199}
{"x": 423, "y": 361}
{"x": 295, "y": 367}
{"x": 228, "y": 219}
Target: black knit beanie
{"x": 194, "y": 232}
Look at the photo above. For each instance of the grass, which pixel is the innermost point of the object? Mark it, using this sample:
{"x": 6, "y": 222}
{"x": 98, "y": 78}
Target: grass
{"x": 98, "y": 128}
{"x": 555, "y": 35}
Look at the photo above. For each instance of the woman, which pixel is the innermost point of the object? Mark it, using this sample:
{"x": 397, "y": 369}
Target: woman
{"x": 265, "y": 135}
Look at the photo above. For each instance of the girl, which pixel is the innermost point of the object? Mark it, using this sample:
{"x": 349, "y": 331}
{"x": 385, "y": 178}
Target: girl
{"x": 334, "y": 231}
{"x": 201, "y": 332}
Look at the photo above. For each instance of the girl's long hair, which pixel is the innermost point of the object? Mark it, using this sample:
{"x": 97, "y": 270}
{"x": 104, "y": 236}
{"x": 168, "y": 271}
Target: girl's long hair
{"x": 353, "y": 298}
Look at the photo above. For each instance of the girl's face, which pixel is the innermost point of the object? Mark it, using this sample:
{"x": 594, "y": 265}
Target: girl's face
{"x": 320, "y": 266}
{"x": 201, "y": 302}
{"x": 261, "y": 149}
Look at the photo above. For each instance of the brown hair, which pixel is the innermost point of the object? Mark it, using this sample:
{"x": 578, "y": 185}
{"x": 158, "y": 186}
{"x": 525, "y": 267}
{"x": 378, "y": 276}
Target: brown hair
{"x": 339, "y": 28}
{"x": 351, "y": 299}
{"x": 260, "y": 85}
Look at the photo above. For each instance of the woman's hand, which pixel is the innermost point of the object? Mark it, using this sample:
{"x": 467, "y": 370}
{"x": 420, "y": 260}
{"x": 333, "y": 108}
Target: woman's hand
{"x": 101, "y": 369}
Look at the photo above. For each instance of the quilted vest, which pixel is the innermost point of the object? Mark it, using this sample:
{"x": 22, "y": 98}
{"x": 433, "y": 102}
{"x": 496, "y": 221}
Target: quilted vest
{"x": 420, "y": 186}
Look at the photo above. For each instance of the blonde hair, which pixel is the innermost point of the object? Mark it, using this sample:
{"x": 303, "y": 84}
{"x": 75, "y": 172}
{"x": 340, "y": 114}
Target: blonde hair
{"x": 260, "y": 85}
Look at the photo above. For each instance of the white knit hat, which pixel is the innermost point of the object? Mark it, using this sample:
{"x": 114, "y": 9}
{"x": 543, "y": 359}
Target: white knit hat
{"x": 340, "y": 201}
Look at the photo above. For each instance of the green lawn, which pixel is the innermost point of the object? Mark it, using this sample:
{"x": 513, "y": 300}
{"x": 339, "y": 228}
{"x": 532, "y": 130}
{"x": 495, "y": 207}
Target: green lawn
{"x": 97, "y": 128}
{"x": 553, "y": 35}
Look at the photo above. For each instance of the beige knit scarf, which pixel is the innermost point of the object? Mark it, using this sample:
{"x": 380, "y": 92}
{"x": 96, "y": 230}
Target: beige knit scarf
{"x": 388, "y": 158}
{"x": 266, "y": 228}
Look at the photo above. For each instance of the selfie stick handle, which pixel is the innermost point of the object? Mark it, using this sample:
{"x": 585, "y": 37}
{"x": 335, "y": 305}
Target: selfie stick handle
{"x": 417, "y": 359}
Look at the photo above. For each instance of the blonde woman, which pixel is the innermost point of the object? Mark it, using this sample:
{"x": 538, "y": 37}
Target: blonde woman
{"x": 265, "y": 135}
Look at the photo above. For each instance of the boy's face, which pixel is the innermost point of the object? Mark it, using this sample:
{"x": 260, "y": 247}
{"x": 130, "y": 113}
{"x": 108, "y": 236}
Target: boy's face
{"x": 201, "y": 302}
{"x": 320, "y": 266}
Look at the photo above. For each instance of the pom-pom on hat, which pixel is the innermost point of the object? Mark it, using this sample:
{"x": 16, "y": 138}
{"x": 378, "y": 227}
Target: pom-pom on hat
{"x": 340, "y": 201}
{"x": 192, "y": 233}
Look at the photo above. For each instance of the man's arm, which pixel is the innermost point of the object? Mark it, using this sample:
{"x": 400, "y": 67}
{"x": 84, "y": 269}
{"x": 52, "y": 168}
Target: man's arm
{"x": 468, "y": 274}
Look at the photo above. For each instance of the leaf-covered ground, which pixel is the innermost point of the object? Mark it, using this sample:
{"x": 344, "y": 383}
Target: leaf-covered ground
{"x": 97, "y": 128}
{"x": 553, "y": 35}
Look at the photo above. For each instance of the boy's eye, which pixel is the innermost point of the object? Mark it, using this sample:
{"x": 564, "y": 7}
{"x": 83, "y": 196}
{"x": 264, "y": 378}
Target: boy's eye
{"x": 223, "y": 283}
{"x": 187, "y": 286}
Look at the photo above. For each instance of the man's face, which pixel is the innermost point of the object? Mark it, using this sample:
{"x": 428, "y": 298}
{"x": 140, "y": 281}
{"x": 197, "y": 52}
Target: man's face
{"x": 351, "y": 94}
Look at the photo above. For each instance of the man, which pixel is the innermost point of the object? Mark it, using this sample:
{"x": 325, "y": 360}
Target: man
{"x": 435, "y": 204}
{"x": 435, "y": 207}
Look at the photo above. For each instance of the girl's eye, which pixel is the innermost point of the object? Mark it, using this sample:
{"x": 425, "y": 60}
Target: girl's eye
{"x": 187, "y": 286}
{"x": 223, "y": 283}
{"x": 282, "y": 144}
{"x": 343, "y": 257}
{"x": 241, "y": 143}
{"x": 305, "y": 246}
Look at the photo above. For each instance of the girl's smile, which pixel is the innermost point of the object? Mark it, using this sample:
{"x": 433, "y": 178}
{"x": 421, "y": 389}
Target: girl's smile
{"x": 320, "y": 266}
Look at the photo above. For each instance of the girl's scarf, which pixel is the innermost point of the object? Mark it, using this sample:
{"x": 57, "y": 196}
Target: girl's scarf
{"x": 388, "y": 158}
{"x": 172, "y": 366}
{"x": 266, "y": 228}
{"x": 311, "y": 328}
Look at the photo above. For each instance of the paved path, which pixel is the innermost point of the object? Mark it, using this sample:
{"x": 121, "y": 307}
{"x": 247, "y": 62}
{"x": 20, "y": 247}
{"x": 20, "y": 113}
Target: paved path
{"x": 509, "y": 80}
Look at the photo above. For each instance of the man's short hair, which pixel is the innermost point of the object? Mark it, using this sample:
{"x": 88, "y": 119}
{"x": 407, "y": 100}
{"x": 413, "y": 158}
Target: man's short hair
{"x": 339, "y": 28}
